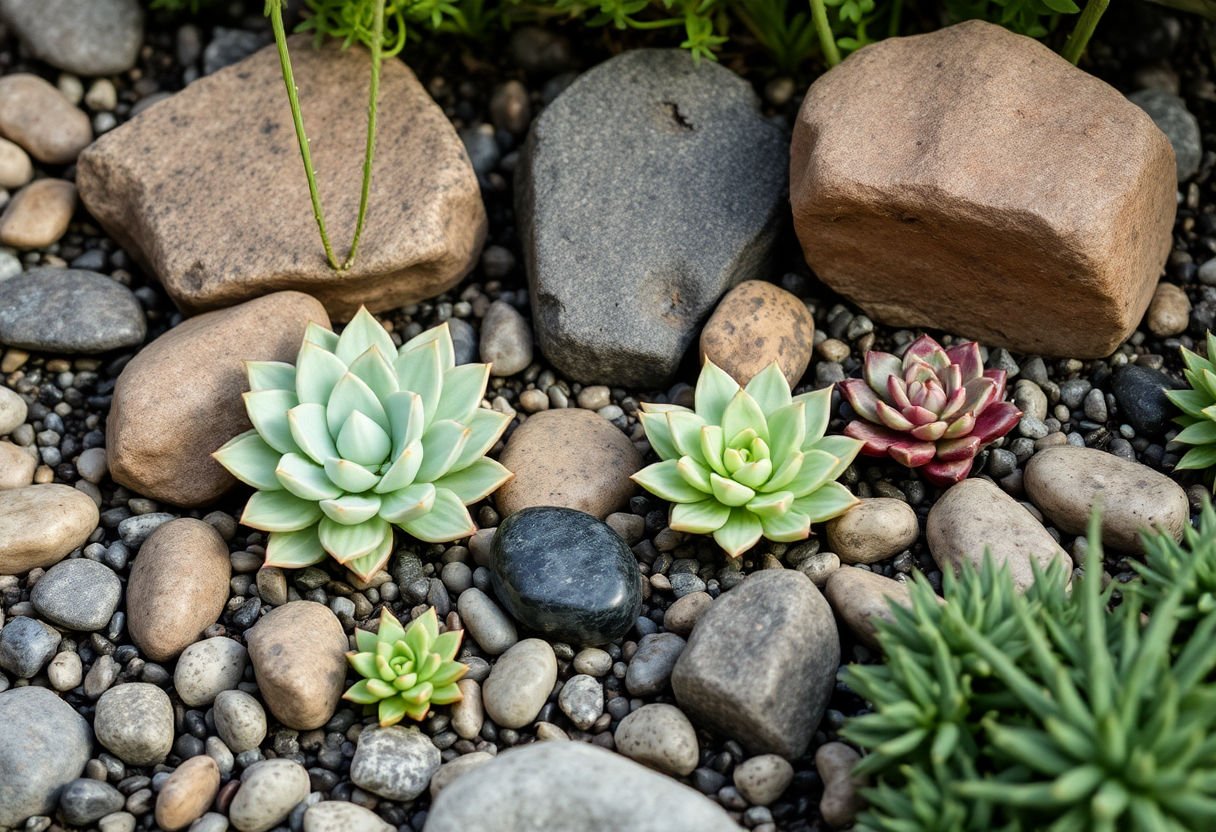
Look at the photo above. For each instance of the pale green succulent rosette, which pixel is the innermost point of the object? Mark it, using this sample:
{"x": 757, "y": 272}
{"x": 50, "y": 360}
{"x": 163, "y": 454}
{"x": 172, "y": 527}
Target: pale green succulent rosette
{"x": 747, "y": 462}
{"x": 358, "y": 438}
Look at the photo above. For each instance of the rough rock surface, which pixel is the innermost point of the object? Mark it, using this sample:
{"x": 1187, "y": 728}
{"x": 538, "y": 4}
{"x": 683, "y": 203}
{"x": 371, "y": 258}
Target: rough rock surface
{"x": 648, "y": 188}
{"x": 160, "y": 432}
{"x": 755, "y": 324}
{"x": 760, "y": 663}
{"x": 40, "y": 525}
{"x": 68, "y": 311}
{"x": 298, "y": 652}
{"x": 1020, "y": 201}
{"x": 426, "y": 221}
{"x": 570, "y": 785}
{"x": 87, "y": 37}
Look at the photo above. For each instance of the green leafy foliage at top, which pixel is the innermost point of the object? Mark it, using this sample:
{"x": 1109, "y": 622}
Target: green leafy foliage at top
{"x": 1034, "y": 18}
{"x": 359, "y": 437}
{"x": 1198, "y": 406}
{"x": 1043, "y": 711}
{"x": 747, "y": 462}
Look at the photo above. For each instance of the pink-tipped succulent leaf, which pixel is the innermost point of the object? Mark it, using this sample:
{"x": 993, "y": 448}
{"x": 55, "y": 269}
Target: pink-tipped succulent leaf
{"x": 933, "y": 410}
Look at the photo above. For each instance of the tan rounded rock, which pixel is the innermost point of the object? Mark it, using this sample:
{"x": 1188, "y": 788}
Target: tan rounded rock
{"x": 1169, "y": 312}
{"x": 468, "y": 715}
{"x": 178, "y": 587}
{"x": 859, "y": 596}
{"x": 519, "y": 683}
{"x": 16, "y": 466}
{"x": 873, "y": 530}
{"x": 298, "y": 652}
{"x": 842, "y": 798}
{"x": 13, "y": 409}
{"x": 659, "y": 736}
{"x": 755, "y": 324}
{"x": 763, "y": 778}
{"x": 426, "y": 219}
{"x": 1067, "y": 483}
{"x": 341, "y": 816}
{"x": 39, "y": 214}
{"x": 682, "y": 615}
{"x": 974, "y": 516}
{"x": 15, "y": 166}
{"x": 187, "y": 793}
{"x": 570, "y": 458}
{"x": 161, "y": 432}
{"x": 40, "y": 525}
{"x": 967, "y": 156}
{"x": 36, "y": 116}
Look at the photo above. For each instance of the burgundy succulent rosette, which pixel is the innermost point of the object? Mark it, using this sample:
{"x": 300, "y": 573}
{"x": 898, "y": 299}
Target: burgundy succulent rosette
{"x": 934, "y": 409}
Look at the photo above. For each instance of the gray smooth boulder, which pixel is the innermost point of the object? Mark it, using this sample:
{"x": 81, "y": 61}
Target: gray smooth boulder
{"x": 761, "y": 662}
{"x": 1169, "y": 113}
{"x": 44, "y": 745}
{"x": 87, "y": 37}
{"x": 646, "y": 190}
{"x": 569, "y": 785}
{"x": 69, "y": 311}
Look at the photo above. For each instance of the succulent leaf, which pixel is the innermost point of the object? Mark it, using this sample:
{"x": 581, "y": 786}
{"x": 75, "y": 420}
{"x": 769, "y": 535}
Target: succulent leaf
{"x": 736, "y": 465}
{"x": 1198, "y": 416}
{"x": 358, "y": 438}
{"x": 405, "y": 670}
{"x": 934, "y": 409}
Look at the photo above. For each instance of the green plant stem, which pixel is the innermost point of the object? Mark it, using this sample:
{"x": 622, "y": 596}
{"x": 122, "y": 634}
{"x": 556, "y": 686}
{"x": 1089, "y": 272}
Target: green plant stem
{"x": 1074, "y": 48}
{"x": 372, "y": 107}
{"x": 819, "y": 14}
{"x": 274, "y": 10}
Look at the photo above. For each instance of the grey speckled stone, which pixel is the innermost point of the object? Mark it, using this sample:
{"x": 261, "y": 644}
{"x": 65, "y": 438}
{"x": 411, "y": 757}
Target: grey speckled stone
{"x": 761, "y": 662}
{"x": 69, "y": 311}
{"x": 563, "y": 573}
{"x": 85, "y": 801}
{"x": 570, "y": 785}
{"x": 78, "y": 594}
{"x": 395, "y": 762}
{"x": 26, "y": 644}
{"x": 87, "y": 37}
{"x": 44, "y": 745}
{"x": 650, "y": 668}
{"x": 648, "y": 188}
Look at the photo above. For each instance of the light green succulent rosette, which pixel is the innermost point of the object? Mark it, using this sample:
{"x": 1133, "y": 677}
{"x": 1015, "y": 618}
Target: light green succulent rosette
{"x": 747, "y": 462}
{"x": 359, "y": 437}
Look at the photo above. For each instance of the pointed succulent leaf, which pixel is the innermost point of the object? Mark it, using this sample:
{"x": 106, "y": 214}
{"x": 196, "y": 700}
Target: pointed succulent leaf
{"x": 785, "y": 474}
{"x": 771, "y": 505}
{"x": 347, "y": 542}
{"x": 664, "y": 481}
{"x": 390, "y": 630}
{"x": 787, "y": 527}
{"x": 322, "y": 336}
{"x": 787, "y": 430}
{"x": 294, "y": 550}
{"x": 349, "y": 476}
{"x": 448, "y": 645}
{"x": 685, "y": 427}
{"x": 377, "y": 373}
{"x": 878, "y": 366}
{"x": 485, "y": 428}
{"x": 279, "y": 511}
{"x": 310, "y": 431}
{"x": 363, "y": 441}
{"x": 447, "y": 520}
{"x": 403, "y": 471}
{"x": 476, "y": 482}
{"x": 317, "y": 371}
{"x": 658, "y": 434}
{"x": 441, "y": 447}
{"x": 694, "y": 473}
{"x": 861, "y": 397}
{"x": 769, "y": 389}
{"x": 844, "y": 448}
{"x": 447, "y": 694}
{"x": 740, "y": 533}
{"x": 441, "y": 337}
{"x": 449, "y": 673}
{"x": 363, "y": 663}
{"x": 421, "y": 371}
{"x": 946, "y": 473}
{"x": 305, "y": 479}
{"x": 365, "y": 567}
{"x": 741, "y": 414}
{"x": 713, "y": 448}
{"x": 351, "y": 509}
{"x": 267, "y": 411}
{"x": 753, "y": 474}
{"x": 818, "y": 413}
{"x": 391, "y": 711}
{"x": 352, "y": 394}
{"x": 270, "y": 375}
{"x": 830, "y": 500}
{"x": 728, "y": 492}
{"x": 715, "y": 389}
{"x": 966, "y": 357}
{"x": 463, "y": 389}
{"x": 408, "y": 503}
{"x": 362, "y": 333}
{"x": 248, "y": 458}
{"x": 704, "y": 517}
{"x": 359, "y": 694}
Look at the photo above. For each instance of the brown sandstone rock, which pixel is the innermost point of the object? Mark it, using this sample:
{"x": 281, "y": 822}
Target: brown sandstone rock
{"x": 180, "y": 398}
{"x": 36, "y": 116}
{"x": 298, "y": 652}
{"x": 229, "y": 136}
{"x": 39, "y": 214}
{"x": 571, "y": 458}
{"x": 177, "y": 588}
{"x": 755, "y": 324}
{"x": 40, "y": 525}
{"x": 972, "y": 180}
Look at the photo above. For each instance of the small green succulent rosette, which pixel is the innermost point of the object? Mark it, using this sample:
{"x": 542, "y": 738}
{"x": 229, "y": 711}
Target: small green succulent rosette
{"x": 1198, "y": 406}
{"x": 747, "y": 462}
{"x": 406, "y": 670}
{"x": 358, "y": 438}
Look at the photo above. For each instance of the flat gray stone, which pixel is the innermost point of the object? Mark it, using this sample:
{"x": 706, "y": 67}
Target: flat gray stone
{"x": 78, "y": 594}
{"x": 570, "y": 785}
{"x": 87, "y": 37}
{"x": 646, "y": 190}
{"x": 44, "y": 745}
{"x": 395, "y": 762}
{"x": 761, "y": 662}
{"x": 26, "y": 645}
{"x": 69, "y": 311}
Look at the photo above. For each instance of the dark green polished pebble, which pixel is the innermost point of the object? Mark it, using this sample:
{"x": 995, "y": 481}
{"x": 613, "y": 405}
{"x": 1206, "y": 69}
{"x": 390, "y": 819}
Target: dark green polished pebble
{"x": 565, "y": 574}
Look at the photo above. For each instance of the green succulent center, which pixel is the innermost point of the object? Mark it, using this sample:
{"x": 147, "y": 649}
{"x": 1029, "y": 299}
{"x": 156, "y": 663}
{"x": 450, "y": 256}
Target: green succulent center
{"x": 746, "y": 447}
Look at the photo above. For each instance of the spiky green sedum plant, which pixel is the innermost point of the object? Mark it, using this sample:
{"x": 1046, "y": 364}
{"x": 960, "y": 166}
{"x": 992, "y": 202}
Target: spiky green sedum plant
{"x": 1198, "y": 406}
{"x": 1075, "y": 716}
{"x": 747, "y": 462}
{"x": 358, "y": 438}
{"x": 1190, "y": 565}
{"x": 406, "y": 670}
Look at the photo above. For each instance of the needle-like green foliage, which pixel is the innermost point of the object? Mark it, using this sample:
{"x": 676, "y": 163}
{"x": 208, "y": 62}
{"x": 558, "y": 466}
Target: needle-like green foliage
{"x": 1198, "y": 406}
{"x": 1045, "y": 711}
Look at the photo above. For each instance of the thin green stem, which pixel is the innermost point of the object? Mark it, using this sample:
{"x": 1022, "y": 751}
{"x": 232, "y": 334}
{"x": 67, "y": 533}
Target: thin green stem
{"x": 274, "y": 10}
{"x": 819, "y": 14}
{"x": 1074, "y": 48}
{"x": 372, "y": 106}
